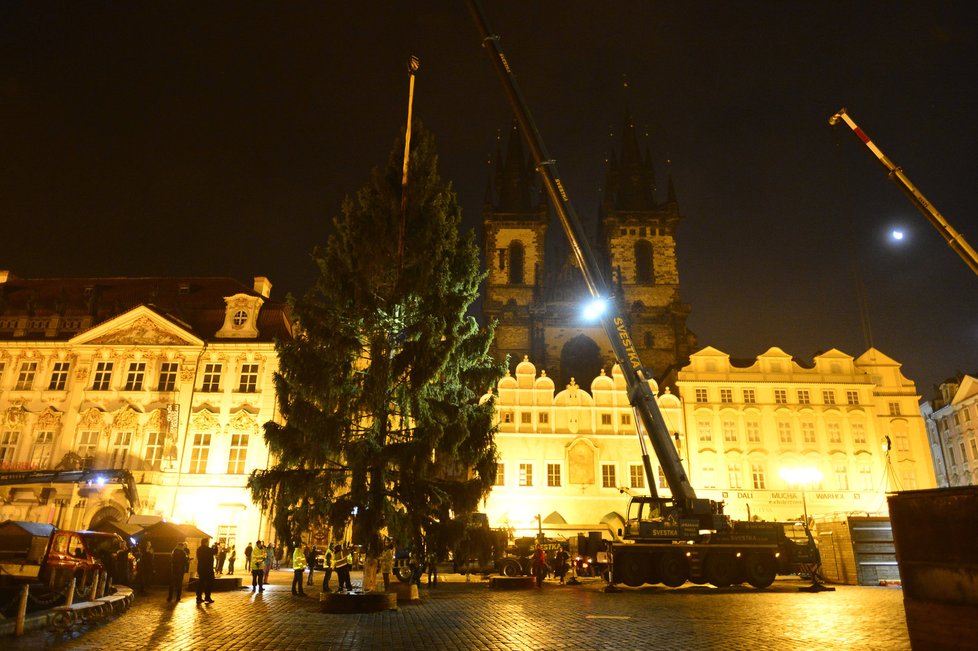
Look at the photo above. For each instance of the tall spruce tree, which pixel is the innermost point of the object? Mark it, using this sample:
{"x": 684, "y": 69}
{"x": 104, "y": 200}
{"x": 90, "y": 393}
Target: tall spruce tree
{"x": 380, "y": 386}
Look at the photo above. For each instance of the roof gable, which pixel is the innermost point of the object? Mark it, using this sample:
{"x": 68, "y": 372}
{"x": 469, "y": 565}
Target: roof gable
{"x": 138, "y": 326}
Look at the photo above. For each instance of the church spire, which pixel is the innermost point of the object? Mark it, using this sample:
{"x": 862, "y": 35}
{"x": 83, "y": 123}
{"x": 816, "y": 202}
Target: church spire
{"x": 513, "y": 178}
{"x": 631, "y": 179}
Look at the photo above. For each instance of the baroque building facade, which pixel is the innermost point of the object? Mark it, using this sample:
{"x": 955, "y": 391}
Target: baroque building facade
{"x": 535, "y": 291}
{"x": 168, "y": 378}
{"x": 952, "y": 420}
{"x": 568, "y": 459}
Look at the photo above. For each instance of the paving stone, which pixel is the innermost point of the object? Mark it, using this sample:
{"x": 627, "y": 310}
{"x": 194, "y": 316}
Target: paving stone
{"x": 468, "y": 616}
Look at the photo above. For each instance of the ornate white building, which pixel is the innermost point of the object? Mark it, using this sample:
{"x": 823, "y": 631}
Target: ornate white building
{"x": 570, "y": 457}
{"x": 169, "y": 378}
{"x": 952, "y": 419}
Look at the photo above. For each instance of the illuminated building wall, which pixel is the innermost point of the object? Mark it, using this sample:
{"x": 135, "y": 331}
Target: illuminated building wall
{"x": 952, "y": 418}
{"x": 170, "y": 378}
{"x": 564, "y": 456}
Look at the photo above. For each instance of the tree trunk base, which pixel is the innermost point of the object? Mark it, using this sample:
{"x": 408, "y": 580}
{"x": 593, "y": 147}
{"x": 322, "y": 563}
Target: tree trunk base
{"x": 357, "y": 602}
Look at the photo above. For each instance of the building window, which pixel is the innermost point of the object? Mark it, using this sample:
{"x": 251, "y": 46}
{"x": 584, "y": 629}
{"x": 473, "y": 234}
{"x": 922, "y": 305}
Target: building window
{"x": 239, "y": 319}
{"x": 903, "y": 442}
{"x": 866, "y": 477}
{"x": 757, "y": 476}
{"x": 894, "y": 408}
{"x": 238, "y": 454}
{"x": 608, "y": 476}
{"x": 704, "y": 430}
{"x": 709, "y": 476}
{"x": 508, "y": 417}
{"x": 753, "y": 431}
{"x": 198, "y": 453}
{"x": 500, "y": 475}
{"x": 212, "y": 378}
{"x": 606, "y": 419}
{"x": 974, "y": 448}
{"x": 249, "y": 378}
{"x": 25, "y": 379}
{"x": 784, "y": 432}
{"x": 526, "y": 418}
{"x": 626, "y": 419}
{"x": 636, "y": 476}
{"x": 102, "y": 377}
{"x": 835, "y": 432}
{"x": 168, "y": 376}
{"x": 909, "y": 479}
{"x": 729, "y": 431}
{"x": 134, "y": 378}
{"x": 543, "y": 418}
{"x": 733, "y": 475}
{"x": 87, "y": 444}
{"x": 59, "y": 376}
{"x": 643, "y": 261}
{"x": 227, "y": 534}
{"x": 808, "y": 432}
{"x": 828, "y": 397}
{"x": 662, "y": 478}
{"x": 726, "y": 395}
{"x": 841, "y": 477}
{"x": 41, "y": 452}
{"x": 701, "y": 395}
{"x": 858, "y": 433}
{"x": 852, "y": 397}
{"x": 516, "y": 276}
{"x": 553, "y": 475}
{"x": 804, "y": 397}
{"x": 153, "y": 455}
{"x": 781, "y": 396}
{"x": 8, "y": 447}
{"x": 119, "y": 451}
{"x": 526, "y": 474}
{"x": 750, "y": 397}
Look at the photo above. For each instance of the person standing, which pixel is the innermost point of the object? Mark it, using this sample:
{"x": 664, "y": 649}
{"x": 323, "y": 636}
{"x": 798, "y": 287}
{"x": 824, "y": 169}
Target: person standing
{"x": 342, "y": 562}
{"x": 144, "y": 567}
{"x": 232, "y": 556}
{"x": 432, "y": 568}
{"x": 222, "y": 557}
{"x": 258, "y": 567}
{"x": 310, "y": 562}
{"x": 327, "y": 568}
{"x": 387, "y": 564}
{"x": 248, "y": 557}
{"x": 560, "y": 564}
{"x": 539, "y": 565}
{"x": 298, "y": 568}
{"x": 269, "y": 559}
{"x": 179, "y": 564}
{"x": 205, "y": 572}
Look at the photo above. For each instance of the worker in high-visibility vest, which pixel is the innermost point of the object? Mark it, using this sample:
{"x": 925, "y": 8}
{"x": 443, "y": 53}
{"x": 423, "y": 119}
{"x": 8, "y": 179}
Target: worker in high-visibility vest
{"x": 299, "y": 567}
{"x": 258, "y": 567}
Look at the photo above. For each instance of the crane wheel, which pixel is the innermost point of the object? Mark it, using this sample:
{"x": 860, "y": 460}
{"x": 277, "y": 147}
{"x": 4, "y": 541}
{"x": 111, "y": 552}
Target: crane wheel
{"x": 673, "y": 569}
{"x": 630, "y": 569}
{"x": 721, "y": 569}
{"x": 511, "y": 568}
{"x": 760, "y": 570}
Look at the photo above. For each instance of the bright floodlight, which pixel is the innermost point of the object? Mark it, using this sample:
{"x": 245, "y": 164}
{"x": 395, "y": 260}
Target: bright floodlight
{"x": 801, "y": 475}
{"x": 896, "y": 234}
{"x": 100, "y": 480}
{"x": 595, "y": 308}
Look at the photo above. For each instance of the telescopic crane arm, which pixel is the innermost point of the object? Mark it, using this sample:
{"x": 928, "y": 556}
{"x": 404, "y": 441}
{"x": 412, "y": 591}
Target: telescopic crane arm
{"x": 954, "y": 239}
{"x": 639, "y": 393}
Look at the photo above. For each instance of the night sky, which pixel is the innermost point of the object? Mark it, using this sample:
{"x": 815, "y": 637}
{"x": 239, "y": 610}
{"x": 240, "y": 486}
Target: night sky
{"x": 219, "y": 138}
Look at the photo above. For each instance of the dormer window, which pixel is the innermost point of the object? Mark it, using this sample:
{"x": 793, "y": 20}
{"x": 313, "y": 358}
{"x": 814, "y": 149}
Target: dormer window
{"x": 240, "y": 318}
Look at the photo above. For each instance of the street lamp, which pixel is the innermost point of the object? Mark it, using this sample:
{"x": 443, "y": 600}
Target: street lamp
{"x": 802, "y": 477}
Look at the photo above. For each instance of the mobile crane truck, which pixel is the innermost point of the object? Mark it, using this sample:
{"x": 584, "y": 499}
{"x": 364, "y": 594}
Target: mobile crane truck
{"x": 668, "y": 540}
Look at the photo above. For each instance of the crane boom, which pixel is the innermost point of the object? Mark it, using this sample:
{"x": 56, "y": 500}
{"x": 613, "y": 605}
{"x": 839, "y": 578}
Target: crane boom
{"x": 954, "y": 239}
{"x": 640, "y": 394}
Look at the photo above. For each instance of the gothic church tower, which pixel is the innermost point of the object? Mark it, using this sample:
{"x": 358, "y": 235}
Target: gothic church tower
{"x": 535, "y": 291}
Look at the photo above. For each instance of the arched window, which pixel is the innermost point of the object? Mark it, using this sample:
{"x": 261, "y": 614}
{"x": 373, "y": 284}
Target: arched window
{"x": 643, "y": 261}
{"x": 649, "y": 340}
{"x": 516, "y": 263}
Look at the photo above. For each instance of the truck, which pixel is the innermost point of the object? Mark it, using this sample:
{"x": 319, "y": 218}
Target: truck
{"x": 48, "y": 559}
{"x": 666, "y": 539}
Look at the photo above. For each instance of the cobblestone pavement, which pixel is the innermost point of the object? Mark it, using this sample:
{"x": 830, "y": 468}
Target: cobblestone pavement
{"x": 467, "y": 615}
